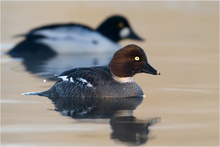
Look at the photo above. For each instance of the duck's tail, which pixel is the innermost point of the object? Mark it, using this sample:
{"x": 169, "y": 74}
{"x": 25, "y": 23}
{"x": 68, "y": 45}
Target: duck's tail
{"x": 44, "y": 93}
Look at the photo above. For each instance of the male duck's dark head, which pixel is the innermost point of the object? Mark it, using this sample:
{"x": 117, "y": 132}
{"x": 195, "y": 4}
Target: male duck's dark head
{"x": 117, "y": 28}
{"x": 129, "y": 61}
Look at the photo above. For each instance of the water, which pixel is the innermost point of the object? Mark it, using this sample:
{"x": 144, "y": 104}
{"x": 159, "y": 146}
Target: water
{"x": 181, "y": 106}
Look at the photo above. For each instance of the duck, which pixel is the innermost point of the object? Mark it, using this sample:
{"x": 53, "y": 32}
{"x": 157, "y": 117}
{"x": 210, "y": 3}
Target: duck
{"x": 103, "y": 82}
{"x": 75, "y": 38}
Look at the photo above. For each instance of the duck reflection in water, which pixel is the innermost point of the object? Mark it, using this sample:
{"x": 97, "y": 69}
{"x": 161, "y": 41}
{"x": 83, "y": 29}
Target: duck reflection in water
{"x": 125, "y": 127}
{"x": 131, "y": 130}
{"x": 93, "y": 107}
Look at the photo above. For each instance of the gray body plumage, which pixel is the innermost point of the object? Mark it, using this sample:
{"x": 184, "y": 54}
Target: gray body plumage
{"x": 94, "y": 82}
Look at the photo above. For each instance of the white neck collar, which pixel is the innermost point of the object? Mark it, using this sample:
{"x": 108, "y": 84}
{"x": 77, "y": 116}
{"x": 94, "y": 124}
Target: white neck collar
{"x": 123, "y": 79}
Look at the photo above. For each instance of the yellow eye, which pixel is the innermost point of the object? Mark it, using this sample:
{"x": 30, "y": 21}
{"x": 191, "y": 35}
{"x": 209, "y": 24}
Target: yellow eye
{"x": 137, "y": 58}
{"x": 120, "y": 24}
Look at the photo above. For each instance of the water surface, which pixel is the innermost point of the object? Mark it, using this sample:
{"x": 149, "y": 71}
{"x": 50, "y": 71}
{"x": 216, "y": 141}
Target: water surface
{"x": 181, "y": 41}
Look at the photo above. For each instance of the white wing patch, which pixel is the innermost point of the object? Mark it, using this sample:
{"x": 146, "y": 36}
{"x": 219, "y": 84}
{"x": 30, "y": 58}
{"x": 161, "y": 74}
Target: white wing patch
{"x": 64, "y": 78}
{"x": 88, "y": 84}
{"x": 71, "y": 80}
{"x": 83, "y": 81}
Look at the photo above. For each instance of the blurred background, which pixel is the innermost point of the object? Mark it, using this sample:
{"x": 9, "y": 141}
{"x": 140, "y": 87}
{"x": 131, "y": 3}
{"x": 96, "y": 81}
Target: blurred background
{"x": 181, "y": 41}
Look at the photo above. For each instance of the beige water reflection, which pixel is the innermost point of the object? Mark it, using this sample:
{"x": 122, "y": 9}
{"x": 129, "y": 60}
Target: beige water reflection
{"x": 182, "y": 43}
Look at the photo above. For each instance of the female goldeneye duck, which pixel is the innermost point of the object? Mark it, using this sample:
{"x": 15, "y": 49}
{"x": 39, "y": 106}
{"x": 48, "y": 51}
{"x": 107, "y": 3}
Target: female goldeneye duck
{"x": 113, "y": 81}
{"x": 76, "y": 38}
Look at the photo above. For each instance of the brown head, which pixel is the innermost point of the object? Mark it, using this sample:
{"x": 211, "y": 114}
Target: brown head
{"x": 129, "y": 61}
